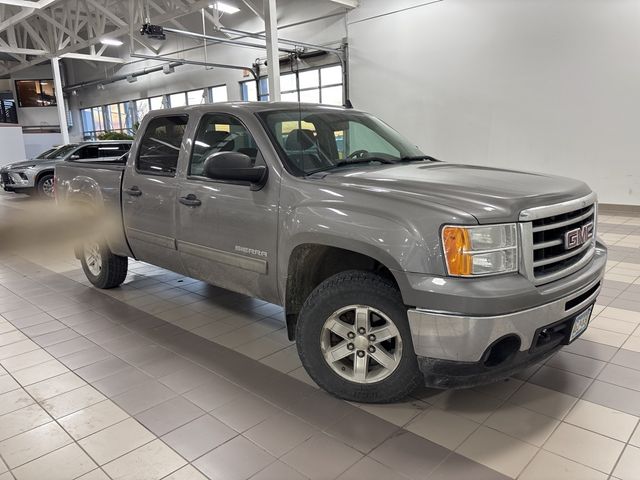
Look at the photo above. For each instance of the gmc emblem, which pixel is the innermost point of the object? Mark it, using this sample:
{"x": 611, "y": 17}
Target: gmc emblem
{"x": 578, "y": 236}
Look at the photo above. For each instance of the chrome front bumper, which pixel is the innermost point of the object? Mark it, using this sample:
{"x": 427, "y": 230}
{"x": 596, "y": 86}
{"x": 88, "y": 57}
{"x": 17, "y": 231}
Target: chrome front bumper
{"x": 466, "y": 338}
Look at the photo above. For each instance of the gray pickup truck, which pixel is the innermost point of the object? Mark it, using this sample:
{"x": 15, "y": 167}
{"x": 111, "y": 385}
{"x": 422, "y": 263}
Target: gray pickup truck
{"x": 395, "y": 269}
{"x": 35, "y": 176}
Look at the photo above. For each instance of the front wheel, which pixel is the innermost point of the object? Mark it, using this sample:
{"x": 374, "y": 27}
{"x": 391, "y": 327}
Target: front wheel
{"x": 354, "y": 340}
{"x": 45, "y": 186}
{"x": 102, "y": 267}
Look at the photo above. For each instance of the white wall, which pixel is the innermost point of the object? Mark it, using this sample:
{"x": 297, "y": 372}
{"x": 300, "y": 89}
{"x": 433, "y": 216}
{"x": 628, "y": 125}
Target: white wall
{"x": 36, "y": 143}
{"x": 12, "y": 144}
{"x": 545, "y": 85}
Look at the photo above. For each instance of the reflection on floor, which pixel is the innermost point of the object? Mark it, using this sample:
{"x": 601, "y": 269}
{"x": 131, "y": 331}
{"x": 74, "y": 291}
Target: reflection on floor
{"x": 168, "y": 377}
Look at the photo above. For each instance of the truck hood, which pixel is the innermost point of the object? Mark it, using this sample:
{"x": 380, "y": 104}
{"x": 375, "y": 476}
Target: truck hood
{"x": 489, "y": 194}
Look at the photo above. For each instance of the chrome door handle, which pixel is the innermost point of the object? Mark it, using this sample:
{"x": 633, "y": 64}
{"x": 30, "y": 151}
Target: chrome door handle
{"x": 190, "y": 200}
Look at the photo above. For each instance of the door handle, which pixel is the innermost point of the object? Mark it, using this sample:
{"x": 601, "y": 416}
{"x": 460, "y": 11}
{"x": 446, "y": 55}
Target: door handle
{"x": 133, "y": 191}
{"x": 190, "y": 200}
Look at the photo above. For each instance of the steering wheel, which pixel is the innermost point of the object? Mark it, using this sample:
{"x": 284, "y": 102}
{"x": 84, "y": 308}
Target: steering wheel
{"x": 359, "y": 154}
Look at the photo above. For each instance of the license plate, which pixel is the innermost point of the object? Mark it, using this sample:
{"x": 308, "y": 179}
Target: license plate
{"x": 580, "y": 324}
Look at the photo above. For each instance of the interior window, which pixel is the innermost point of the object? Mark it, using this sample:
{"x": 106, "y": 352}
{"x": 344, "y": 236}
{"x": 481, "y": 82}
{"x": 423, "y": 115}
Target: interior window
{"x": 88, "y": 152}
{"x": 220, "y": 132}
{"x": 160, "y": 145}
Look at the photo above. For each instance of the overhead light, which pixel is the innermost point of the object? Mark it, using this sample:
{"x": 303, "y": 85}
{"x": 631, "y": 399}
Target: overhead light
{"x": 224, "y": 7}
{"x": 111, "y": 41}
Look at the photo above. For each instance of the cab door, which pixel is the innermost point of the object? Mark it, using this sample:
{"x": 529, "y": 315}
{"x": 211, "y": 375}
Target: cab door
{"x": 227, "y": 232}
{"x": 150, "y": 192}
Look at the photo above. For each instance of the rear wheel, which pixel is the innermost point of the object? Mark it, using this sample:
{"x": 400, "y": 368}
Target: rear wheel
{"x": 103, "y": 268}
{"x": 45, "y": 186}
{"x": 354, "y": 340}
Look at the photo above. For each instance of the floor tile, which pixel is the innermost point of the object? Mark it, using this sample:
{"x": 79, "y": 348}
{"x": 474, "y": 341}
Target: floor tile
{"x": 92, "y": 419}
{"x": 96, "y": 474}
{"x": 245, "y": 412}
{"x": 613, "y": 396}
{"x": 116, "y": 440}
{"x": 635, "y": 438}
{"x": 280, "y": 433}
{"x": 40, "y": 372}
{"x": 212, "y": 395}
{"x": 410, "y": 455}
{"x": 17, "y": 348}
{"x": 458, "y": 467}
{"x": 281, "y": 471}
{"x": 522, "y": 423}
{"x": 603, "y": 420}
{"x": 122, "y": 381}
{"x": 186, "y": 473}
{"x": 628, "y": 467}
{"x": 606, "y": 337}
{"x": 498, "y": 451}
{"x": 63, "y": 464}
{"x": 14, "y": 400}
{"x": 26, "y": 360}
{"x": 7, "y": 383}
{"x": 321, "y": 457}
{"x": 399, "y": 413}
{"x": 621, "y": 376}
{"x": 200, "y": 436}
{"x": 143, "y": 397}
{"x": 152, "y": 461}
{"x": 585, "y": 447}
{"x": 471, "y": 404}
{"x": 55, "y": 386}
{"x": 237, "y": 459}
{"x": 542, "y": 400}
{"x": 69, "y": 402}
{"x": 32, "y": 444}
{"x": 169, "y": 415}
{"x": 547, "y": 466}
{"x": 22, "y": 420}
{"x": 442, "y": 427}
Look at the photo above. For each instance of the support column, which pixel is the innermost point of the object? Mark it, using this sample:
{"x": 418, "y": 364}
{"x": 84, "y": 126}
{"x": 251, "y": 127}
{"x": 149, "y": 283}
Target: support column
{"x": 62, "y": 114}
{"x": 273, "y": 56}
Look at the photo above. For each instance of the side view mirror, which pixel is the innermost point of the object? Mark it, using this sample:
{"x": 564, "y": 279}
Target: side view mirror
{"x": 235, "y": 166}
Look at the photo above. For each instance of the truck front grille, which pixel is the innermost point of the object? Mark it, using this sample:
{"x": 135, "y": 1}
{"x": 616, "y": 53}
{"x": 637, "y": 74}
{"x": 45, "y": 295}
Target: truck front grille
{"x": 5, "y": 178}
{"x": 560, "y": 240}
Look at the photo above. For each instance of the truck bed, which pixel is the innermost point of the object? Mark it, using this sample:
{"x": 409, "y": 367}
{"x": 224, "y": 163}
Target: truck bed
{"x": 99, "y": 185}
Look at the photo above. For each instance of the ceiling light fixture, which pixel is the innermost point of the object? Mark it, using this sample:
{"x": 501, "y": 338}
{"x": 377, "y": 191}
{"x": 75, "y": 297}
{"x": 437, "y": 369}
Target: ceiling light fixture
{"x": 224, "y": 7}
{"x": 111, "y": 41}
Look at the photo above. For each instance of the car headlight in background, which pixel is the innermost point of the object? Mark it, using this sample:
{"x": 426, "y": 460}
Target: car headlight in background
{"x": 480, "y": 250}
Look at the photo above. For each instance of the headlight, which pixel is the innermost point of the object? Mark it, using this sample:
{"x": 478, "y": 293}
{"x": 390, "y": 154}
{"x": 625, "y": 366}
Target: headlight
{"x": 480, "y": 250}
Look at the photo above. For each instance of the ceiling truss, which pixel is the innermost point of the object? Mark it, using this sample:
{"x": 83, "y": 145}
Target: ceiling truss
{"x": 33, "y": 31}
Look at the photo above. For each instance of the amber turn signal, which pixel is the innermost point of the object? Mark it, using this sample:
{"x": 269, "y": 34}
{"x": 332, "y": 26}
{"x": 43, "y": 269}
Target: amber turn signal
{"x": 457, "y": 243}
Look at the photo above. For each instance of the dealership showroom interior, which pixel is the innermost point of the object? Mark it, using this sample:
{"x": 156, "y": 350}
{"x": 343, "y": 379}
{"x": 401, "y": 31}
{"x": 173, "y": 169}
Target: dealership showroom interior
{"x": 319, "y": 239}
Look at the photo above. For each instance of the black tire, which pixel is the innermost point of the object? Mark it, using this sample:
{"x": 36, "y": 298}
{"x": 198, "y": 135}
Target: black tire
{"x": 44, "y": 184}
{"x": 113, "y": 268}
{"x": 356, "y": 288}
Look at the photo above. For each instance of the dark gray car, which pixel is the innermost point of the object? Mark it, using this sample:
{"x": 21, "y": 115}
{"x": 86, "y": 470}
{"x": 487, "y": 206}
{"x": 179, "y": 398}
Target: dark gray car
{"x": 36, "y": 175}
{"x": 394, "y": 269}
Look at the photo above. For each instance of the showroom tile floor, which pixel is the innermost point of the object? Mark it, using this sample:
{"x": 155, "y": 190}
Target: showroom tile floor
{"x": 167, "y": 377}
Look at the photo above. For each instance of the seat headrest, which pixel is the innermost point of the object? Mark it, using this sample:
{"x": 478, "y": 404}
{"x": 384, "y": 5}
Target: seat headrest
{"x": 300, "y": 139}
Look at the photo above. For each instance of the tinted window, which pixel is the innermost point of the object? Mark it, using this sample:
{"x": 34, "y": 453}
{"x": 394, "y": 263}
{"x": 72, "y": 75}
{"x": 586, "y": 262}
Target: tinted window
{"x": 221, "y": 133}
{"x": 160, "y": 145}
{"x": 115, "y": 150}
{"x": 62, "y": 151}
{"x": 88, "y": 152}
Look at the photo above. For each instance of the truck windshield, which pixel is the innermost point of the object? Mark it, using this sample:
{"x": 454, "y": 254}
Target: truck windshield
{"x": 61, "y": 152}
{"x": 312, "y": 140}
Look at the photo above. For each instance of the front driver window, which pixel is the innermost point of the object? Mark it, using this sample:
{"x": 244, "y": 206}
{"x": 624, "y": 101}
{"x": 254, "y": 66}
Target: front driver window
{"x": 220, "y": 132}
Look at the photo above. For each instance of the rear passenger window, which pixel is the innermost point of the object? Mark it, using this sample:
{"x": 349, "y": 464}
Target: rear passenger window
{"x": 221, "y": 132}
{"x": 160, "y": 145}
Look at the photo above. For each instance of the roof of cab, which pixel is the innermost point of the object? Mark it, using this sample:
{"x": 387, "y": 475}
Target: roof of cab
{"x": 248, "y": 106}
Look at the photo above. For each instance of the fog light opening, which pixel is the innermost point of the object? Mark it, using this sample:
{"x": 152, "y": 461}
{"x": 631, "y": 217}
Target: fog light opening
{"x": 501, "y": 351}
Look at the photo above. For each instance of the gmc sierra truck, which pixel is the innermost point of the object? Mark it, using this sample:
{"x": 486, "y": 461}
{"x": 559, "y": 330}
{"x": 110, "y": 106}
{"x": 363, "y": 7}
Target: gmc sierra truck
{"x": 395, "y": 269}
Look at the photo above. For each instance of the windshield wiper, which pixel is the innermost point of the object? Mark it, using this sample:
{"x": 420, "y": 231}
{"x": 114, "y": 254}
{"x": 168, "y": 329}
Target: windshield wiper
{"x": 353, "y": 161}
{"x": 415, "y": 158}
